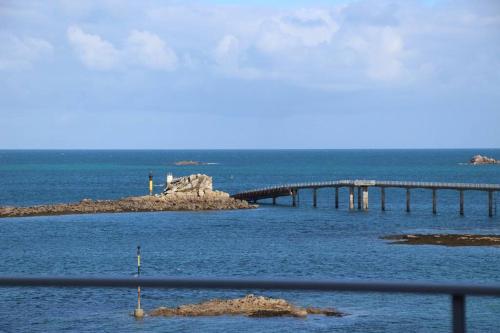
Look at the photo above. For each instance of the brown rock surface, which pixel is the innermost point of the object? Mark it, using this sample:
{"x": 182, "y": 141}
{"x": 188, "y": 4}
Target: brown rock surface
{"x": 250, "y": 305}
{"x": 175, "y": 202}
{"x": 446, "y": 239}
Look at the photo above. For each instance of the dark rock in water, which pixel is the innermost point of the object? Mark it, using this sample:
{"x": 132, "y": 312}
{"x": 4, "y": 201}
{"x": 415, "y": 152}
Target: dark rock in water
{"x": 250, "y": 305}
{"x": 446, "y": 239}
{"x": 480, "y": 159}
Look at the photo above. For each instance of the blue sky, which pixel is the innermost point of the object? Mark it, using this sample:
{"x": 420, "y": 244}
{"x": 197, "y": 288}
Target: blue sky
{"x": 250, "y": 74}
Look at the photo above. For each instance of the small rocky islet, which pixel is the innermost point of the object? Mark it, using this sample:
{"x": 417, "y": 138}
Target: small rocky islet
{"x": 250, "y": 306}
{"x": 445, "y": 239}
{"x": 481, "y": 159}
{"x": 190, "y": 193}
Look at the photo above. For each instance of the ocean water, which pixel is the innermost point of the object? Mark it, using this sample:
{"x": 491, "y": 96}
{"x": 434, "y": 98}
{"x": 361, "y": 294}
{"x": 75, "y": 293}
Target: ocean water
{"x": 268, "y": 242}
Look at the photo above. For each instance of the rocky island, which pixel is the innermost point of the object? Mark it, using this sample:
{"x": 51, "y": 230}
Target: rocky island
{"x": 446, "y": 239}
{"x": 480, "y": 159}
{"x": 188, "y": 193}
{"x": 250, "y": 306}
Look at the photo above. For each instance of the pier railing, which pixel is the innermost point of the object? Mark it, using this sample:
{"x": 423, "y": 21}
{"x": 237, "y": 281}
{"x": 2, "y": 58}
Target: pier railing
{"x": 457, "y": 292}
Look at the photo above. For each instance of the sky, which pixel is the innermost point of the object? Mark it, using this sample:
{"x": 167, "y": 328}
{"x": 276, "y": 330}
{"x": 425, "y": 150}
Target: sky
{"x": 106, "y": 74}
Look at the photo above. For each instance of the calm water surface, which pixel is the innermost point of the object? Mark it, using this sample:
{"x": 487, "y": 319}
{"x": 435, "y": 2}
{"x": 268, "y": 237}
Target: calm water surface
{"x": 268, "y": 242}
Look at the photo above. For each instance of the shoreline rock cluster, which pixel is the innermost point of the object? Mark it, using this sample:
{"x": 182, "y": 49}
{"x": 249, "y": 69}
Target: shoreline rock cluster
{"x": 190, "y": 193}
{"x": 445, "y": 239}
{"x": 250, "y": 306}
{"x": 480, "y": 159}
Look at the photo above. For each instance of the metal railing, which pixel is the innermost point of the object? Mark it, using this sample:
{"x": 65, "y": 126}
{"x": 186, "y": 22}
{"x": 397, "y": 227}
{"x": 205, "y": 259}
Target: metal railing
{"x": 458, "y": 292}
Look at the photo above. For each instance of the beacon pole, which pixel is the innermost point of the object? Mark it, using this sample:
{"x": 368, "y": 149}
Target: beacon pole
{"x": 150, "y": 183}
{"x": 138, "y": 312}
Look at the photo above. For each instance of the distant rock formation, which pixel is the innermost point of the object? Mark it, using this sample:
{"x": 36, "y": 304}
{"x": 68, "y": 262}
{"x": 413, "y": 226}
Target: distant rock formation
{"x": 181, "y": 163}
{"x": 480, "y": 159}
{"x": 250, "y": 305}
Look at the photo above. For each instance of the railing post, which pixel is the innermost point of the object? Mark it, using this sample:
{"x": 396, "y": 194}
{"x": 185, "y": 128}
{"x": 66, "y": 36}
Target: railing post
{"x": 336, "y": 197}
{"x": 458, "y": 313}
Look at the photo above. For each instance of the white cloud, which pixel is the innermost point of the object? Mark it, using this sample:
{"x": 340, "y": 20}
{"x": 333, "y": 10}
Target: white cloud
{"x": 21, "y": 52}
{"x": 142, "y": 49}
{"x": 227, "y": 51}
{"x": 149, "y": 50}
{"x": 94, "y": 52}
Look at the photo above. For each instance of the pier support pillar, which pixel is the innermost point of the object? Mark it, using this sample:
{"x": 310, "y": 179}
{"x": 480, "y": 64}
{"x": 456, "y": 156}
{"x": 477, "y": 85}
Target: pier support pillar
{"x": 359, "y": 197}
{"x": 382, "y": 198}
{"x": 461, "y": 202}
{"x": 365, "y": 197}
{"x": 351, "y": 197}
{"x": 315, "y": 197}
{"x": 336, "y": 197}
{"x": 490, "y": 203}
{"x": 407, "y": 200}
{"x": 274, "y": 200}
{"x": 294, "y": 198}
{"x": 434, "y": 201}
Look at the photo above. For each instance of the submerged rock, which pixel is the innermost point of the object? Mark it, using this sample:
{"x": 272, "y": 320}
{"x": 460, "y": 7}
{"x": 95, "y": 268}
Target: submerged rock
{"x": 480, "y": 159}
{"x": 446, "y": 239}
{"x": 250, "y": 305}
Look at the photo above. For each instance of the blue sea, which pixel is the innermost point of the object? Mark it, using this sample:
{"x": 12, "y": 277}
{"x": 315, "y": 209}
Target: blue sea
{"x": 269, "y": 242}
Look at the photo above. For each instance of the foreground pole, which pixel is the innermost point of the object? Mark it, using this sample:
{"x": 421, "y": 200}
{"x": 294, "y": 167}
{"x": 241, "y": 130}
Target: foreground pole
{"x": 138, "y": 312}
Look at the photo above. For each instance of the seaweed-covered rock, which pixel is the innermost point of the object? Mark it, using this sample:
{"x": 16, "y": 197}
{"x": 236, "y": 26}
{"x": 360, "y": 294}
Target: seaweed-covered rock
{"x": 250, "y": 305}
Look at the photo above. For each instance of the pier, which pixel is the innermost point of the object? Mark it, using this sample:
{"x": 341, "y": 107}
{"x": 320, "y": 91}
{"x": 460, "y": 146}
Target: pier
{"x": 362, "y": 186}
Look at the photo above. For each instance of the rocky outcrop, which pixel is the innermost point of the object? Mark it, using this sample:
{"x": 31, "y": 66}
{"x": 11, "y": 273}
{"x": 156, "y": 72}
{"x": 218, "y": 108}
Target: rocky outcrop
{"x": 250, "y": 305}
{"x": 187, "y": 193}
{"x": 480, "y": 159}
{"x": 199, "y": 184}
{"x": 446, "y": 239}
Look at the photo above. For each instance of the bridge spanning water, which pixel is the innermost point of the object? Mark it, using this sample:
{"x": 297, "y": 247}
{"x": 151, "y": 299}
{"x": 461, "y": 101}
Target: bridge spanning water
{"x": 362, "y": 186}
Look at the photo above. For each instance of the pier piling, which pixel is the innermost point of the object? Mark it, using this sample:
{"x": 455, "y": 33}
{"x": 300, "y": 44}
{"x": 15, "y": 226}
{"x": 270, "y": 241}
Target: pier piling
{"x": 461, "y": 202}
{"x": 315, "y": 197}
{"x": 359, "y": 197}
{"x": 365, "y": 197}
{"x": 351, "y": 197}
{"x": 382, "y": 198}
{"x": 408, "y": 200}
{"x": 434, "y": 199}
{"x": 490, "y": 203}
{"x": 274, "y": 200}
{"x": 294, "y": 197}
{"x": 336, "y": 197}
